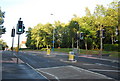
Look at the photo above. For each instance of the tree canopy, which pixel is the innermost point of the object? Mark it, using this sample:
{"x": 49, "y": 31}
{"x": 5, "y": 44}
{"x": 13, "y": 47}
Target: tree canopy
{"x": 66, "y": 34}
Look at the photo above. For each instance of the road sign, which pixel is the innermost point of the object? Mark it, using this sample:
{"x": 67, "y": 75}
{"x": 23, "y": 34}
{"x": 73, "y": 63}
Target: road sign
{"x": 53, "y": 41}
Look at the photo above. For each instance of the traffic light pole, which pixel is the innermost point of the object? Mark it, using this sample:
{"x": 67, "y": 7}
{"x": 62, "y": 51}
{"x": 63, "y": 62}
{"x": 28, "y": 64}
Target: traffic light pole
{"x": 101, "y": 41}
{"x": 18, "y": 48}
{"x": 20, "y": 30}
{"x": 12, "y": 35}
{"x": 12, "y": 43}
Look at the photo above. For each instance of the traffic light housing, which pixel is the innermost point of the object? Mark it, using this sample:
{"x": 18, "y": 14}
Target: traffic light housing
{"x": 76, "y": 36}
{"x": 98, "y": 33}
{"x": 13, "y": 33}
{"x": 20, "y": 27}
{"x": 23, "y": 29}
{"x": 103, "y": 33}
{"x": 81, "y": 36}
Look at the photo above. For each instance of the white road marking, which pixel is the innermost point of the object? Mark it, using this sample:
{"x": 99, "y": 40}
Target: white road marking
{"x": 60, "y": 67}
{"x": 53, "y": 67}
{"x": 69, "y": 66}
{"x": 91, "y": 72}
{"x": 104, "y": 70}
{"x": 49, "y": 74}
{"x": 74, "y": 61}
{"x": 85, "y": 56}
{"x": 88, "y": 64}
{"x": 19, "y": 60}
{"x": 37, "y": 71}
{"x": 106, "y": 65}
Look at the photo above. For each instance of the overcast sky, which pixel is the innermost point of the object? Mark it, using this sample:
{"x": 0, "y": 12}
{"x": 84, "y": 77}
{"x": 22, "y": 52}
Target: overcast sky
{"x": 33, "y": 12}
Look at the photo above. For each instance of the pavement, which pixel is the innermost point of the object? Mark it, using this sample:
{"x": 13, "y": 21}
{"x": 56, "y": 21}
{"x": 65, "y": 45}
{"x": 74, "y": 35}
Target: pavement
{"x": 12, "y": 71}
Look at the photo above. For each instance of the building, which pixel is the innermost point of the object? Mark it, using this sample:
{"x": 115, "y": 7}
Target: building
{"x": 22, "y": 45}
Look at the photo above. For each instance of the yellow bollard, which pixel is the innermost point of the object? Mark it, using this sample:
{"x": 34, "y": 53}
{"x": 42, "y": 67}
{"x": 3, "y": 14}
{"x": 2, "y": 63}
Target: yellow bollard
{"x": 71, "y": 56}
{"x": 16, "y": 49}
{"x": 48, "y": 51}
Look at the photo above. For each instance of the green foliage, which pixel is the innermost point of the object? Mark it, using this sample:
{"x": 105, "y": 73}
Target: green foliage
{"x": 111, "y": 47}
{"x": 1, "y": 17}
{"x": 41, "y": 36}
{"x": 2, "y": 44}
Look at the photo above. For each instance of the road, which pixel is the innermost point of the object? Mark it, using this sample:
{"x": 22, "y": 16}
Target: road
{"x": 57, "y": 67}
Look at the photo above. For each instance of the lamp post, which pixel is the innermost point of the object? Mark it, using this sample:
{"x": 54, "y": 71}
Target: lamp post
{"x": 53, "y": 38}
{"x": 101, "y": 40}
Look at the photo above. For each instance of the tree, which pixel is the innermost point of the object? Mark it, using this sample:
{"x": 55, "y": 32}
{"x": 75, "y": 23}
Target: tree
{"x": 1, "y": 20}
{"x": 3, "y": 44}
{"x": 1, "y": 17}
{"x": 29, "y": 39}
{"x": 111, "y": 20}
{"x": 73, "y": 28}
{"x": 59, "y": 33}
{"x": 65, "y": 34}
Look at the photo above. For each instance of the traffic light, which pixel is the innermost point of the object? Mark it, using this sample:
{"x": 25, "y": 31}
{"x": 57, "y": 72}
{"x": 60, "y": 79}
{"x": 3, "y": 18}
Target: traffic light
{"x": 23, "y": 29}
{"x": 98, "y": 33}
{"x": 103, "y": 33}
{"x": 81, "y": 35}
{"x": 19, "y": 27}
{"x": 13, "y": 33}
{"x": 117, "y": 32}
{"x": 77, "y": 36}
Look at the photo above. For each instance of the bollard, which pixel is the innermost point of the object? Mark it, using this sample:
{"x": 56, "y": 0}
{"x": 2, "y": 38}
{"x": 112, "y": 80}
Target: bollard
{"x": 48, "y": 51}
{"x": 16, "y": 49}
{"x": 71, "y": 56}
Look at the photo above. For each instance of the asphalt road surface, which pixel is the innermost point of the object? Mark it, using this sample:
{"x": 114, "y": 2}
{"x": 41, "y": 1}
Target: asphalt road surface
{"x": 58, "y": 67}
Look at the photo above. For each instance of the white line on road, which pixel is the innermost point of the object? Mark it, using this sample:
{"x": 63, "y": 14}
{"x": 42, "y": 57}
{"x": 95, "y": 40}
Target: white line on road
{"x": 53, "y": 67}
{"x": 106, "y": 65}
{"x": 74, "y": 68}
{"x": 49, "y": 74}
{"x": 88, "y": 64}
{"x": 104, "y": 70}
{"x": 61, "y": 67}
{"x": 37, "y": 71}
{"x": 91, "y": 72}
{"x": 85, "y": 56}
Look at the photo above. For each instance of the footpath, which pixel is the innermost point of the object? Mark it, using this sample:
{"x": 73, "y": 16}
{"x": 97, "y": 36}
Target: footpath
{"x": 12, "y": 71}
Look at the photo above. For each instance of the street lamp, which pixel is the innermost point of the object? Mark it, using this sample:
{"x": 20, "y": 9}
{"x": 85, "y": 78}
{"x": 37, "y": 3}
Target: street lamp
{"x": 53, "y": 37}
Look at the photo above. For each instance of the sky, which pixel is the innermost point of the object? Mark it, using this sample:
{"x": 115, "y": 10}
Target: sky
{"x": 34, "y": 12}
